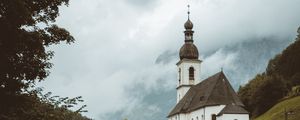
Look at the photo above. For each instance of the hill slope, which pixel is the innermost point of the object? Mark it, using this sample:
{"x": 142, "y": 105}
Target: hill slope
{"x": 282, "y": 74}
{"x": 277, "y": 111}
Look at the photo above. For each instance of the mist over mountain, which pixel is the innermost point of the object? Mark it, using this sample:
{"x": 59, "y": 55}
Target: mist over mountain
{"x": 240, "y": 62}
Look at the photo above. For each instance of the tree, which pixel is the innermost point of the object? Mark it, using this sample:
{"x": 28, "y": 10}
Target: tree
{"x": 281, "y": 75}
{"x": 24, "y": 58}
{"x": 268, "y": 93}
{"x": 287, "y": 63}
{"x": 27, "y": 28}
{"x": 262, "y": 92}
{"x": 298, "y": 36}
{"x": 38, "y": 106}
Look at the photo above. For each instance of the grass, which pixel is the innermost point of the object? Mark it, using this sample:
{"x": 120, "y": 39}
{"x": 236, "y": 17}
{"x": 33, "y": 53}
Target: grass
{"x": 277, "y": 111}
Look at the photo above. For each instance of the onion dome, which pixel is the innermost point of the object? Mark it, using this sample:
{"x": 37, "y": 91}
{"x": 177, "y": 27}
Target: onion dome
{"x": 188, "y": 51}
{"x": 188, "y": 25}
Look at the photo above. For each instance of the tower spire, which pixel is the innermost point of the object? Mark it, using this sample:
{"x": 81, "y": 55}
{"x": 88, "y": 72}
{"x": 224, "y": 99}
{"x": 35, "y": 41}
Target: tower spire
{"x": 188, "y": 11}
{"x": 188, "y": 28}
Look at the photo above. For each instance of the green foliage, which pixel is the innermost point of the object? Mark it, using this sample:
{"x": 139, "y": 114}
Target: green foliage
{"x": 23, "y": 41}
{"x": 277, "y": 111}
{"x": 38, "y": 106}
{"x": 26, "y": 29}
{"x": 267, "y": 94}
{"x": 294, "y": 92}
{"x": 262, "y": 93}
{"x": 282, "y": 73}
{"x": 298, "y": 37}
{"x": 287, "y": 63}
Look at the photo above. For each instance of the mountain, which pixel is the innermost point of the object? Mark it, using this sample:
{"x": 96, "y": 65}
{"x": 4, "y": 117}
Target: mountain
{"x": 269, "y": 87}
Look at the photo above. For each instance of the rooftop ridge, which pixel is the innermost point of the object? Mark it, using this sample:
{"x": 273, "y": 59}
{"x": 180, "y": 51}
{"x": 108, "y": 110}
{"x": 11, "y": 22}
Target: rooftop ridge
{"x": 206, "y": 93}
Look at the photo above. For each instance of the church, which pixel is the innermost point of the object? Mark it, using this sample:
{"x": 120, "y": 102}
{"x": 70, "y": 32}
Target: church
{"x": 209, "y": 99}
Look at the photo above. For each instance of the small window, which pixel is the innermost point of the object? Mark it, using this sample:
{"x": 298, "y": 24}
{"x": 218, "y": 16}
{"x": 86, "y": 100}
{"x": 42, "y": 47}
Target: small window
{"x": 213, "y": 117}
{"x": 179, "y": 75}
{"x": 197, "y": 118}
{"x": 201, "y": 98}
{"x": 191, "y": 73}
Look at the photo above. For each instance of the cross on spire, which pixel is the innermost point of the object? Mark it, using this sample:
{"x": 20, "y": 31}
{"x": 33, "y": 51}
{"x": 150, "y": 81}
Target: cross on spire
{"x": 188, "y": 11}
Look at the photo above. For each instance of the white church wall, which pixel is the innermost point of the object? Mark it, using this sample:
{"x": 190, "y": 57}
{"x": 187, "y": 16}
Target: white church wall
{"x": 184, "y": 117}
{"x": 184, "y": 76}
{"x": 233, "y": 117}
{"x": 179, "y": 117}
{"x": 172, "y": 117}
{"x": 181, "y": 92}
{"x": 197, "y": 114}
{"x": 184, "y": 66}
{"x": 201, "y": 114}
{"x": 210, "y": 110}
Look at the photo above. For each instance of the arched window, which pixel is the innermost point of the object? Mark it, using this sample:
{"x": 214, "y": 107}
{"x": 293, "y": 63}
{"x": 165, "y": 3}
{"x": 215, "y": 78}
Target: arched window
{"x": 179, "y": 75}
{"x": 213, "y": 117}
{"x": 191, "y": 73}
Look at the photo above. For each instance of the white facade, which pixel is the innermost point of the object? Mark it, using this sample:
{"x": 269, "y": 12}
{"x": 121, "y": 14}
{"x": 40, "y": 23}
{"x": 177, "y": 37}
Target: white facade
{"x": 233, "y": 117}
{"x": 184, "y": 78}
{"x": 206, "y": 114}
{"x": 200, "y": 114}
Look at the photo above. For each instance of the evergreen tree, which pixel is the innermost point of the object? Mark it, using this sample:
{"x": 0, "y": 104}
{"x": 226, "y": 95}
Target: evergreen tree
{"x": 281, "y": 75}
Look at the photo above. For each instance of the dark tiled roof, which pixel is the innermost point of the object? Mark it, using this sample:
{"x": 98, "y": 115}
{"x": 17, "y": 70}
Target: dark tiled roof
{"x": 215, "y": 90}
{"x": 233, "y": 109}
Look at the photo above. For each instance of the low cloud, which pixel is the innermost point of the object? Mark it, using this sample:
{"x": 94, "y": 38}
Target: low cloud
{"x": 123, "y": 60}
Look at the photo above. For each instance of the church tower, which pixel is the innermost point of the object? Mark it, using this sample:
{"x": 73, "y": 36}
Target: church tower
{"x": 189, "y": 64}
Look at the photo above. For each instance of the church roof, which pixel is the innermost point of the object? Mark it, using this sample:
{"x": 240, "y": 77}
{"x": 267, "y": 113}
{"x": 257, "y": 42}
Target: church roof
{"x": 233, "y": 109}
{"x": 215, "y": 90}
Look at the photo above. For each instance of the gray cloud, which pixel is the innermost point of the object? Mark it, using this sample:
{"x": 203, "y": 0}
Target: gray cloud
{"x": 241, "y": 62}
{"x": 142, "y": 3}
{"x": 123, "y": 61}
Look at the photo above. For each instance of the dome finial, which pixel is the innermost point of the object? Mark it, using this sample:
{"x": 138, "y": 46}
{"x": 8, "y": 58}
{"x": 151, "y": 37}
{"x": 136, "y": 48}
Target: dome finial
{"x": 188, "y": 11}
{"x": 188, "y": 24}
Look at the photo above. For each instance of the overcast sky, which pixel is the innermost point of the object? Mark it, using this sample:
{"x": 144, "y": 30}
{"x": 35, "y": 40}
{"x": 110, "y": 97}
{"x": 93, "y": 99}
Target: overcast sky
{"x": 123, "y": 60}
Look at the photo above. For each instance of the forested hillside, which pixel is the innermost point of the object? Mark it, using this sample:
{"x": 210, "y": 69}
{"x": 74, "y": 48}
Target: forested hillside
{"x": 281, "y": 75}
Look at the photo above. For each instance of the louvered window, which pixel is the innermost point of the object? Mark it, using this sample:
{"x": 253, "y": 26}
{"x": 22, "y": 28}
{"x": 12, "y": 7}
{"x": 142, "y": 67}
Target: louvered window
{"x": 191, "y": 73}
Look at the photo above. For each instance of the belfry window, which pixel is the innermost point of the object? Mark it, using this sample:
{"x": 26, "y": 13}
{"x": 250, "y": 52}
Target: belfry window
{"x": 191, "y": 73}
{"x": 188, "y": 37}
